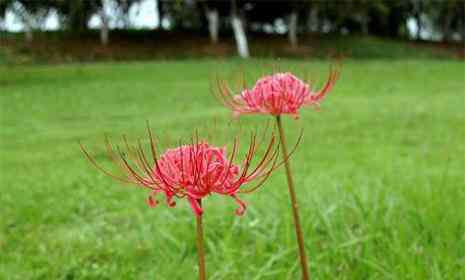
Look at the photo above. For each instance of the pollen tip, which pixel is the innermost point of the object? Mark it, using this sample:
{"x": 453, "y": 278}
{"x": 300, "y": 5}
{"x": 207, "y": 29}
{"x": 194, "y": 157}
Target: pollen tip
{"x": 152, "y": 203}
{"x": 240, "y": 212}
{"x": 170, "y": 202}
{"x": 242, "y": 207}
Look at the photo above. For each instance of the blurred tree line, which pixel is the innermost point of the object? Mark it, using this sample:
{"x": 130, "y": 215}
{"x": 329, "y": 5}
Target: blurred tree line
{"x": 387, "y": 18}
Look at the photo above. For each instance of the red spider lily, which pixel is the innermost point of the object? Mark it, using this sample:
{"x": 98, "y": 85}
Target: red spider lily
{"x": 194, "y": 170}
{"x": 277, "y": 94}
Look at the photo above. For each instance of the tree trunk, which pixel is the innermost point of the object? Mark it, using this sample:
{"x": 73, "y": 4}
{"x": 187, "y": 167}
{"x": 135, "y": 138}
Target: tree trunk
{"x": 446, "y": 29}
{"x": 27, "y": 20}
{"x": 103, "y": 28}
{"x": 419, "y": 26}
{"x": 239, "y": 35}
{"x": 125, "y": 15}
{"x": 364, "y": 23}
{"x": 293, "y": 19}
{"x": 213, "y": 24}
{"x": 417, "y": 15}
{"x": 239, "y": 32}
{"x": 322, "y": 15}
{"x": 157, "y": 13}
{"x": 312, "y": 20}
{"x": 395, "y": 20}
{"x": 462, "y": 23}
{"x": 462, "y": 30}
{"x": 28, "y": 29}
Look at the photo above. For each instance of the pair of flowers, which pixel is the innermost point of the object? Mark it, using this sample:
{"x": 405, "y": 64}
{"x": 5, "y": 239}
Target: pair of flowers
{"x": 198, "y": 169}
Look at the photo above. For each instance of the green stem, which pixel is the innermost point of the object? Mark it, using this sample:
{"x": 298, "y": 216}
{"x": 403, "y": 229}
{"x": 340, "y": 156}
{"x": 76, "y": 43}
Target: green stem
{"x": 295, "y": 208}
{"x": 200, "y": 246}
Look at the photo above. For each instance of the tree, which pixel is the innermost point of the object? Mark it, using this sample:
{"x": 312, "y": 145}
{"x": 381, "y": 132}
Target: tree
{"x": 3, "y": 7}
{"x": 237, "y": 22}
{"x": 102, "y": 7}
{"x": 267, "y": 12}
{"x": 182, "y": 14}
{"x": 31, "y": 13}
{"x": 213, "y": 11}
{"x": 451, "y": 19}
{"x": 417, "y": 8}
{"x": 75, "y": 14}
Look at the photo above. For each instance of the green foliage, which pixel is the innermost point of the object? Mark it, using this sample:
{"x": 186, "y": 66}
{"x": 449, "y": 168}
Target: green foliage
{"x": 381, "y": 17}
{"x": 75, "y": 14}
{"x": 379, "y": 175}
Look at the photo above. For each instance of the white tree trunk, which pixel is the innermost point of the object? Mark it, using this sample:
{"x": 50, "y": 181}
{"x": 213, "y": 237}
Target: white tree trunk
{"x": 27, "y": 20}
{"x": 104, "y": 31}
{"x": 293, "y": 29}
{"x": 417, "y": 9}
{"x": 462, "y": 30}
{"x": 365, "y": 24}
{"x": 125, "y": 16}
{"x": 239, "y": 35}
{"x": 2, "y": 23}
{"x": 446, "y": 31}
{"x": 157, "y": 13}
{"x": 213, "y": 24}
{"x": 28, "y": 31}
{"x": 312, "y": 20}
{"x": 419, "y": 27}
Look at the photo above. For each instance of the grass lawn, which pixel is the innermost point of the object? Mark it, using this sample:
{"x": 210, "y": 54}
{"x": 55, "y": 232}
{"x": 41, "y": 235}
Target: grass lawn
{"x": 379, "y": 175}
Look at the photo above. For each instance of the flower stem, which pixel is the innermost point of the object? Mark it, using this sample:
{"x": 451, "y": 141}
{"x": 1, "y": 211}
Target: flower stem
{"x": 200, "y": 246}
{"x": 295, "y": 209}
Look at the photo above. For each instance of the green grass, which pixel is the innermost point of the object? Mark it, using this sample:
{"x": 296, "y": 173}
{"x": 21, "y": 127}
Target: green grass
{"x": 380, "y": 175}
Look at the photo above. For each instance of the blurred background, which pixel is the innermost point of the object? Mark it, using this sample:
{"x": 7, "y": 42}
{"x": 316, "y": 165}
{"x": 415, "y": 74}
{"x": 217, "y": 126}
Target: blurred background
{"x": 379, "y": 174}
{"x": 57, "y": 30}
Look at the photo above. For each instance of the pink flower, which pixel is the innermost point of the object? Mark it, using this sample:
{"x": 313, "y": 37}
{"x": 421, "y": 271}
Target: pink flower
{"x": 193, "y": 171}
{"x": 281, "y": 93}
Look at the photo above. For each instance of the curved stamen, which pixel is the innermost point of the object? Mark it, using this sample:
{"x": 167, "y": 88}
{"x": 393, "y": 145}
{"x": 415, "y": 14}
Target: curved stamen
{"x": 155, "y": 159}
{"x": 231, "y": 159}
{"x": 242, "y": 206}
{"x": 130, "y": 170}
{"x": 94, "y": 163}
